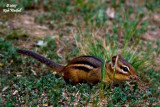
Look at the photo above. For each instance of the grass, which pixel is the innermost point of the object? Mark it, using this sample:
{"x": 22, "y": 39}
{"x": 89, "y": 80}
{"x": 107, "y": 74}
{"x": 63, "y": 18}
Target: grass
{"x": 83, "y": 29}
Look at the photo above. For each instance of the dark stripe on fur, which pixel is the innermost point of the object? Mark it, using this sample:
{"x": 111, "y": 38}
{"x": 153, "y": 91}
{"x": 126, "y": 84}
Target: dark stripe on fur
{"x": 94, "y": 58}
{"x": 85, "y": 63}
{"x": 81, "y": 68}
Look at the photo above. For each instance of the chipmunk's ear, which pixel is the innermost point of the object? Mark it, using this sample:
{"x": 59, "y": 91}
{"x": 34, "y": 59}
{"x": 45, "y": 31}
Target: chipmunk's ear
{"x": 120, "y": 56}
{"x": 113, "y": 60}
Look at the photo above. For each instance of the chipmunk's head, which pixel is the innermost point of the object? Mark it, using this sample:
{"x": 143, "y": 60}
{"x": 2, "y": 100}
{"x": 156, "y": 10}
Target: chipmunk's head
{"x": 124, "y": 71}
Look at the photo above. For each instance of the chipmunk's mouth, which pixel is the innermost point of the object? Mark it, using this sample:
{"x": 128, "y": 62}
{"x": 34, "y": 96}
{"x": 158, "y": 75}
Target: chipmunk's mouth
{"x": 133, "y": 77}
{"x": 131, "y": 81}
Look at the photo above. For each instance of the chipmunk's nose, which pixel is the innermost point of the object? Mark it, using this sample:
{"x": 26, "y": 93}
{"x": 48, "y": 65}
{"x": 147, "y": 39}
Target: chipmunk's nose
{"x": 133, "y": 77}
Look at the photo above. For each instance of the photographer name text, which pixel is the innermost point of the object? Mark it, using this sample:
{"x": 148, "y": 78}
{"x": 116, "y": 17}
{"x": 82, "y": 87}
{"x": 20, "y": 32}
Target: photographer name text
{"x": 12, "y": 8}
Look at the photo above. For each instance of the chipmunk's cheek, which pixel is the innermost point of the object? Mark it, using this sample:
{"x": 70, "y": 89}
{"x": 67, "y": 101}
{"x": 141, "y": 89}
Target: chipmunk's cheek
{"x": 124, "y": 78}
{"x": 128, "y": 79}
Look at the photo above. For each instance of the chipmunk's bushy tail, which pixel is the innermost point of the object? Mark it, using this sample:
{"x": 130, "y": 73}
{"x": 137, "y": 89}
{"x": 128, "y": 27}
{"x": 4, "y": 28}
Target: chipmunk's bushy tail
{"x": 42, "y": 59}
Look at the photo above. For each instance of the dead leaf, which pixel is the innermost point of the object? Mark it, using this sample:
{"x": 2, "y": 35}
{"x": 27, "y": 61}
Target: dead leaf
{"x": 59, "y": 52}
{"x": 110, "y": 13}
{"x": 15, "y": 92}
{"x": 34, "y": 72}
{"x": 41, "y": 43}
{"x": 5, "y": 88}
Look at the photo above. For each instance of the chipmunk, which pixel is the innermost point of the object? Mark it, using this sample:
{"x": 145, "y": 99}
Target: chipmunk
{"x": 88, "y": 68}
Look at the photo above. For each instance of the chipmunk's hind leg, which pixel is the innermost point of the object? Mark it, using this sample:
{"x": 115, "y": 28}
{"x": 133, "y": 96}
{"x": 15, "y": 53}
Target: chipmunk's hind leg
{"x": 70, "y": 77}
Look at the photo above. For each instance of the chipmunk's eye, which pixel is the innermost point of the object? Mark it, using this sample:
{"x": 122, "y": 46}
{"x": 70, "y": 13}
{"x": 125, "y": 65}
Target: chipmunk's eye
{"x": 125, "y": 69}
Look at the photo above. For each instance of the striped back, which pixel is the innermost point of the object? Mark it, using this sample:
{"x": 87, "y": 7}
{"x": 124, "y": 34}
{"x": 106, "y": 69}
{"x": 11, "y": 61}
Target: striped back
{"x": 85, "y": 63}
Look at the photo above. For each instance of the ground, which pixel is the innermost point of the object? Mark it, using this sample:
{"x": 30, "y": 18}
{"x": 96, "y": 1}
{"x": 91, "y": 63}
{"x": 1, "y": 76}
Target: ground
{"x": 64, "y": 30}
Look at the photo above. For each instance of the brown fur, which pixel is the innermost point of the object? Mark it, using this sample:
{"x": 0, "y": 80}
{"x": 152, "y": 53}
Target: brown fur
{"x": 88, "y": 68}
